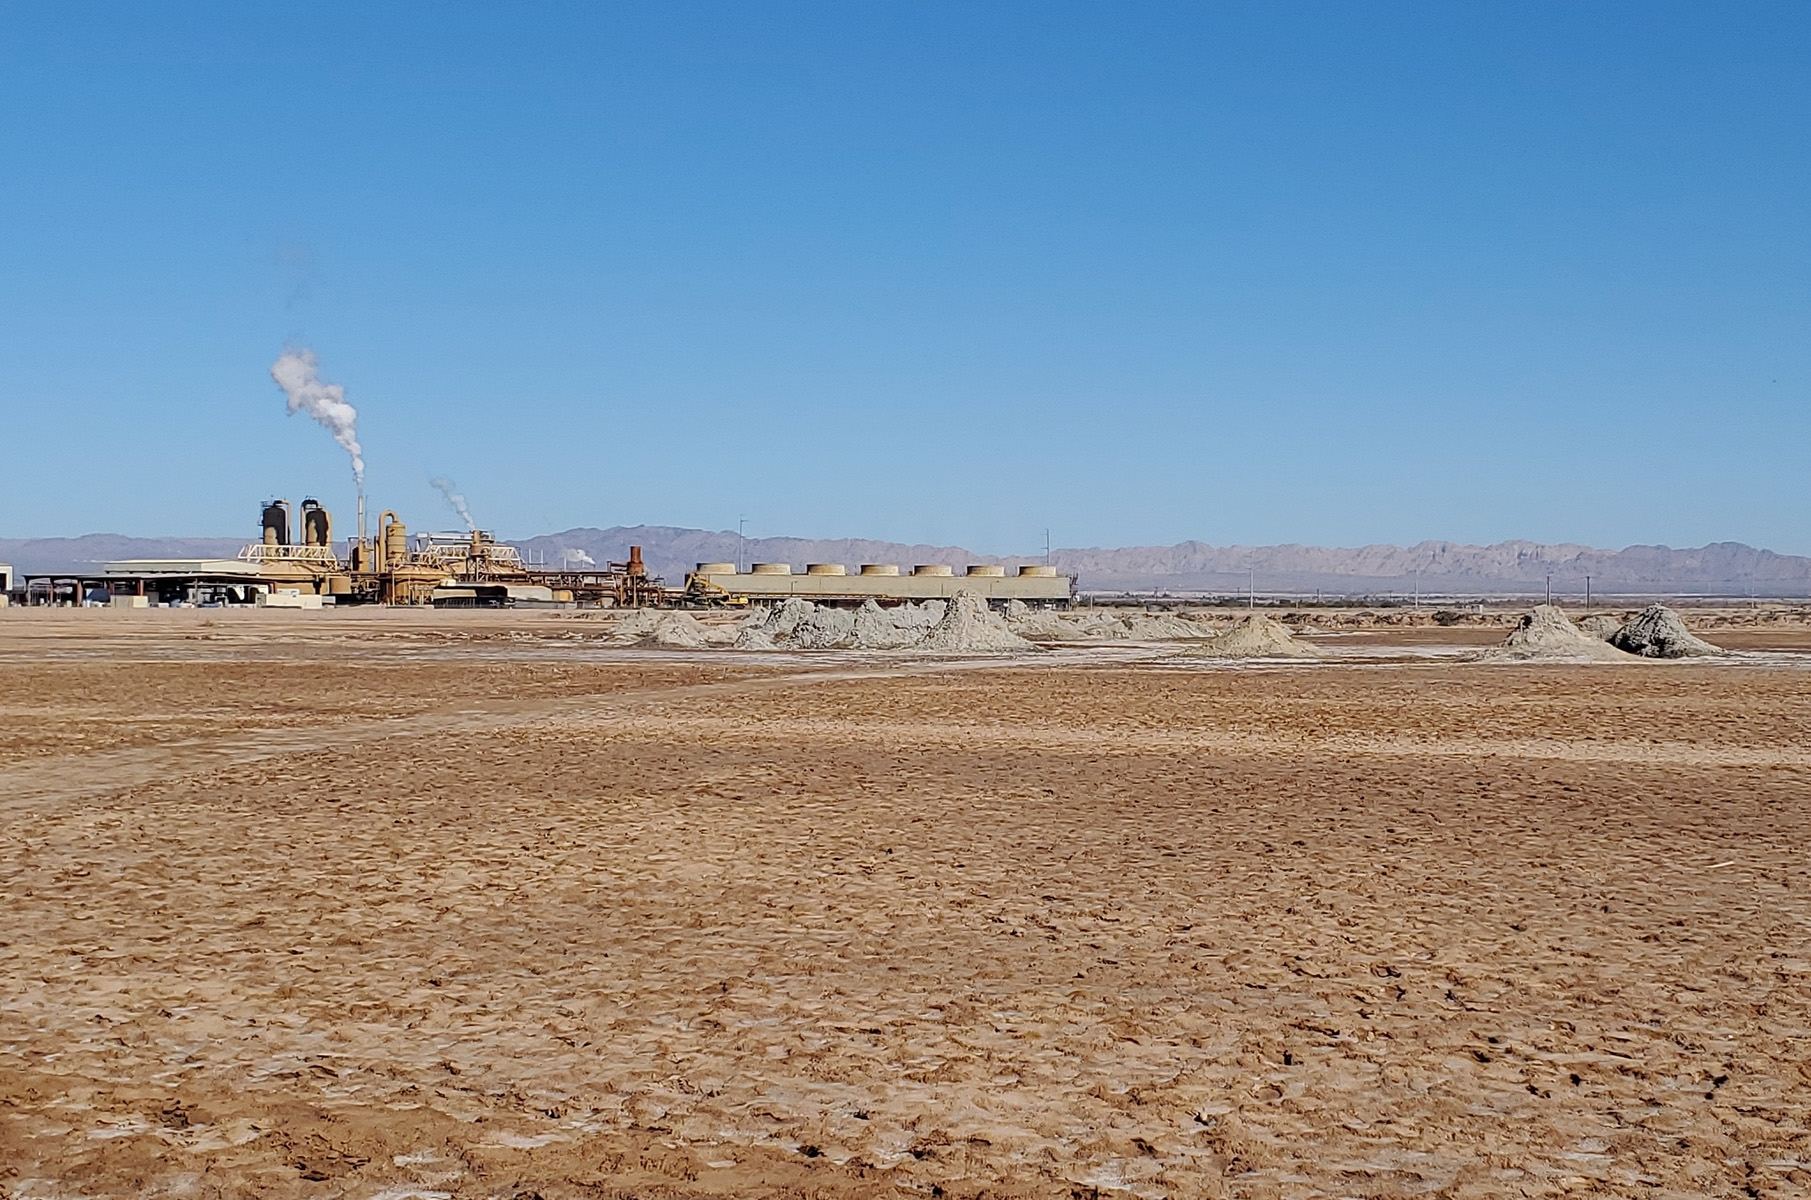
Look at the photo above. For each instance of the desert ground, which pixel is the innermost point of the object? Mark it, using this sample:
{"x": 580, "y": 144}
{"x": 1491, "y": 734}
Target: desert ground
{"x": 390, "y": 905}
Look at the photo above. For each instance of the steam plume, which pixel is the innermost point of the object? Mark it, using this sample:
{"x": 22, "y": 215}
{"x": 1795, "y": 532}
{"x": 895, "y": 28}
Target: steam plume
{"x": 296, "y": 373}
{"x": 577, "y": 558}
{"x": 450, "y": 490}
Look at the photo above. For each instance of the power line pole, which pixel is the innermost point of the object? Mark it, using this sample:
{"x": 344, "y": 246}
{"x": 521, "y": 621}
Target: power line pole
{"x": 1549, "y": 589}
{"x": 1587, "y": 593}
{"x": 741, "y": 542}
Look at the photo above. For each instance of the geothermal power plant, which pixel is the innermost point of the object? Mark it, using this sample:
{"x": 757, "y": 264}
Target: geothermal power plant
{"x": 296, "y": 563}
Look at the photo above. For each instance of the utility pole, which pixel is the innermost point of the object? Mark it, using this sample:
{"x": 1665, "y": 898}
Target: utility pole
{"x": 1549, "y": 589}
{"x": 1587, "y": 593}
{"x": 741, "y": 542}
{"x": 1046, "y": 547}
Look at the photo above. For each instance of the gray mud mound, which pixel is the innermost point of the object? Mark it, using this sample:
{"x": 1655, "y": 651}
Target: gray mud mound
{"x": 674, "y": 630}
{"x": 877, "y": 628}
{"x": 1165, "y": 627}
{"x": 1544, "y": 634}
{"x": 917, "y": 619}
{"x": 719, "y": 636}
{"x": 1657, "y": 632}
{"x": 1046, "y": 627}
{"x": 765, "y": 630}
{"x": 969, "y": 626}
{"x": 1096, "y": 627}
{"x": 1043, "y": 625}
{"x": 1083, "y": 626}
{"x": 823, "y": 629}
{"x": 1601, "y": 626}
{"x": 634, "y": 628}
{"x": 1257, "y": 636}
{"x": 799, "y": 624}
{"x": 679, "y": 631}
{"x": 753, "y": 637}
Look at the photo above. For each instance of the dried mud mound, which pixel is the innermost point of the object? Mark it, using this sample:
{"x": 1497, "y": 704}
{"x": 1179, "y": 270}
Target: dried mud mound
{"x": 679, "y": 631}
{"x": 1047, "y": 627}
{"x": 799, "y": 624}
{"x": 1257, "y": 636}
{"x": 1601, "y": 626}
{"x": 823, "y": 628}
{"x": 1165, "y": 627}
{"x": 634, "y": 628}
{"x": 1091, "y": 626}
{"x": 968, "y": 625}
{"x": 1544, "y": 634}
{"x": 765, "y": 631}
{"x": 877, "y": 628}
{"x": 1657, "y": 632}
{"x": 1098, "y": 625}
{"x": 671, "y": 630}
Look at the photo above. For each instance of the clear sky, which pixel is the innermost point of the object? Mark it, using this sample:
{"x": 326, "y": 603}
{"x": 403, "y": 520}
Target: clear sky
{"x": 1329, "y": 273}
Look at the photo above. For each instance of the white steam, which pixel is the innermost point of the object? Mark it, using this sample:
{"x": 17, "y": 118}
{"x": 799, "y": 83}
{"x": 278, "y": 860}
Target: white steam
{"x": 450, "y": 490}
{"x": 577, "y": 558}
{"x": 296, "y": 372}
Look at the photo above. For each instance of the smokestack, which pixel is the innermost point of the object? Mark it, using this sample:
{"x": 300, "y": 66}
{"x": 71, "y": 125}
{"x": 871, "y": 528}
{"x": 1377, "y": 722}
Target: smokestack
{"x": 297, "y": 373}
{"x": 450, "y": 490}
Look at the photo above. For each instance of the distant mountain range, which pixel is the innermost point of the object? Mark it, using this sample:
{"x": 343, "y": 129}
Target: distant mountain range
{"x": 1437, "y": 568}
{"x": 33, "y": 555}
{"x": 1724, "y": 568}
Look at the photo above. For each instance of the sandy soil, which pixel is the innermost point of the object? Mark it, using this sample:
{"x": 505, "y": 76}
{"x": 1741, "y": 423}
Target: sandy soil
{"x": 387, "y": 905}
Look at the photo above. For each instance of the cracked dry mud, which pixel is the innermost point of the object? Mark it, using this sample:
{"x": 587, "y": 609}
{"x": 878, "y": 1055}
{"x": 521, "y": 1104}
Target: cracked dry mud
{"x": 429, "y": 907}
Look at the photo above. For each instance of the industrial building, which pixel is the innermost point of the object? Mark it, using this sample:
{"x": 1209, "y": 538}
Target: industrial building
{"x": 283, "y": 570}
{"x": 294, "y": 564}
{"x": 831, "y": 583}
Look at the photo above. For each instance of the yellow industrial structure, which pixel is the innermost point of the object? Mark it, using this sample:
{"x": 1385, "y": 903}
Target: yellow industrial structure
{"x": 832, "y": 583}
{"x": 278, "y": 570}
{"x": 473, "y": 570}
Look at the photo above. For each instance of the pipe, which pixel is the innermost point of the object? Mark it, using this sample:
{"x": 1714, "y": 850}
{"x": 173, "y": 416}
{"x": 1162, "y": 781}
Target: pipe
{"x": 384, "y": 520}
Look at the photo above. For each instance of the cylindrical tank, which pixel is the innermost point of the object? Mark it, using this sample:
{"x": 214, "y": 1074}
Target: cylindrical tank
{"x": 984, "y": 569}
{"x": 879, "y": 569}
{"x": 396, "y": 540}
{"x": 716, "y": 569}
{"x": 772, "y": 568}
{"x": 317, "y": 526}
{"x": 1037, "y": 571}
{"x": 825, "y": 569}
{"x": 276, "y": 523}
{"x": 939, "y": 569}
{"x": 339, "y": 585}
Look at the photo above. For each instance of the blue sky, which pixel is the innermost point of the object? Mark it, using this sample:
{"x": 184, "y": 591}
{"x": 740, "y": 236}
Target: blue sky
{"x": 1328, "y": 273}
